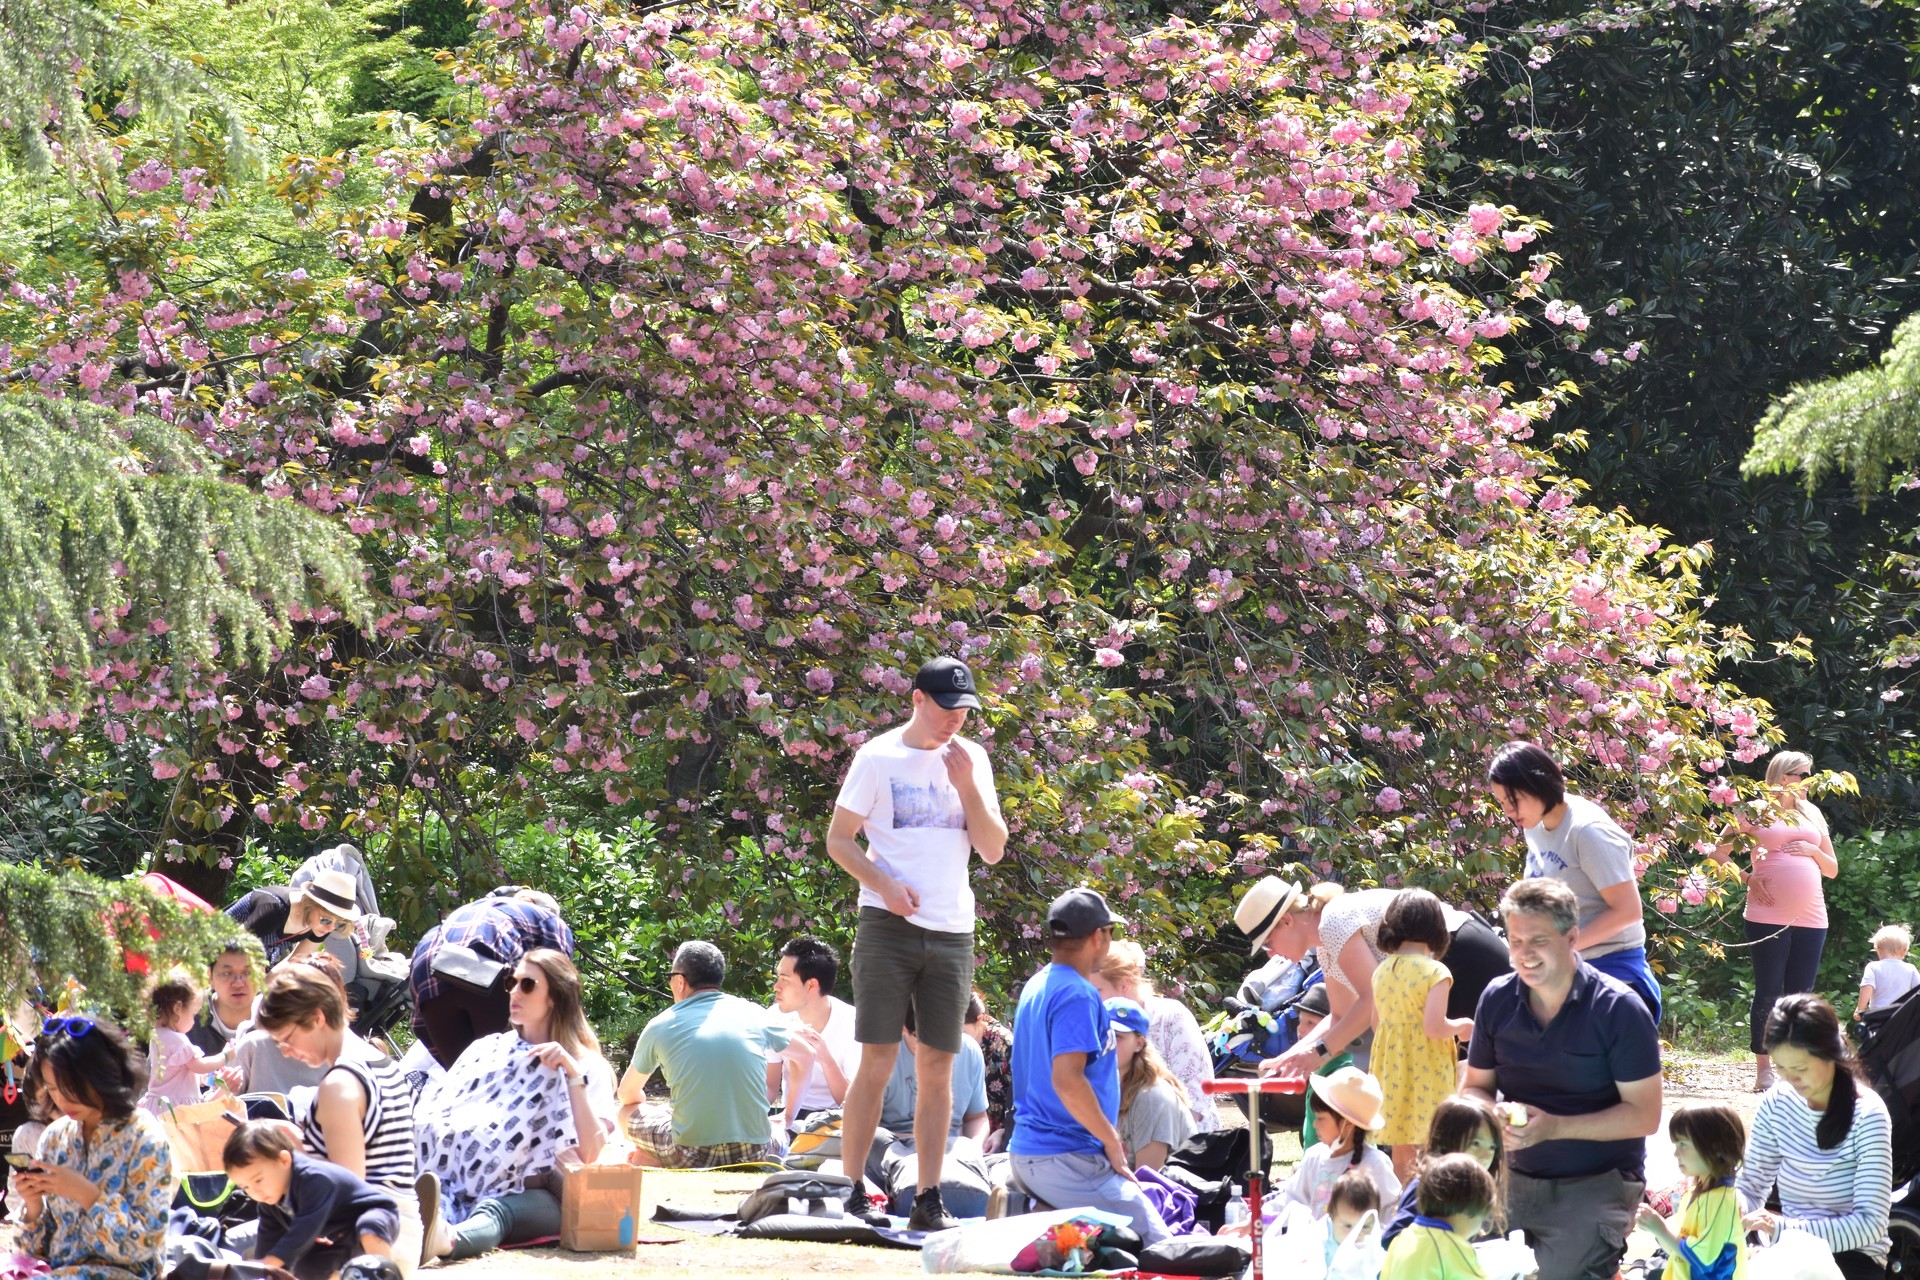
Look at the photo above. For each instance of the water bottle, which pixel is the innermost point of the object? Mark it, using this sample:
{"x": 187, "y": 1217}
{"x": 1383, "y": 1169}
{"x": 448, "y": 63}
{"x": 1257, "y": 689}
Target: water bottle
{"x": 1238, "y": 1211}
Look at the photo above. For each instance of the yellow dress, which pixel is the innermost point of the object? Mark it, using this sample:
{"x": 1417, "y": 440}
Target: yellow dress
{"x": 1415, "y": 1071}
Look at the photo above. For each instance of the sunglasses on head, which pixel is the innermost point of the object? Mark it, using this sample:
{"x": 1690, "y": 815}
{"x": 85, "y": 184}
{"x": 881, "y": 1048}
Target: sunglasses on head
{"x": 68, "y": 1024}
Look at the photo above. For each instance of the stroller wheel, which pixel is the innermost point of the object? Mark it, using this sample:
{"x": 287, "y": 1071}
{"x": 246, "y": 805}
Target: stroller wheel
{"x": 1903, "y": 1226}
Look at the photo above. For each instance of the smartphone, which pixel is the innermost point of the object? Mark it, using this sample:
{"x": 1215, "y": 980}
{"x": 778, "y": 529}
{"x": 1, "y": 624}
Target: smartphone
{"x": 20, "y": 1160}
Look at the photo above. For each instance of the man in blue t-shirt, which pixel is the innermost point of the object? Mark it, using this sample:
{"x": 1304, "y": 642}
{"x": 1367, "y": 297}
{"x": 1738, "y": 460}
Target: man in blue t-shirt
{"x": 1066, "y": 1085}
{"x": 1575, "y": 1060}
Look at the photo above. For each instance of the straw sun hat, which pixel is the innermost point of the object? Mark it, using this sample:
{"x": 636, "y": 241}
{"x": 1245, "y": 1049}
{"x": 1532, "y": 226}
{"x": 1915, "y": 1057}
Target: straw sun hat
{"x": 335, "y": 891}
{"x": 1263, "y": 907}
{"x": 1354, "y": 1094}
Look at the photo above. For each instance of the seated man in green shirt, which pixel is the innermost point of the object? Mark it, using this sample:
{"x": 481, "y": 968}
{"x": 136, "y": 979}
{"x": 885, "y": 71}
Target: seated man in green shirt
{"x": 713, "y": 1050}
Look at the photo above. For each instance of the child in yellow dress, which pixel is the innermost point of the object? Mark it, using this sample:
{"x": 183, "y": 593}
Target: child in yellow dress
{"x": 1413, "y": 1039}
{"x": 1709, "y": 1141}
{"x": 1456, "y": 1195}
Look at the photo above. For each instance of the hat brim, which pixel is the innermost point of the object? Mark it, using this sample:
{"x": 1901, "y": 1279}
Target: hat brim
{"x": 1371, "y": 1123}
{"x": 1260, "y": 942}
{"x": 350, "y": 913}
{"x": 955, "y": 701}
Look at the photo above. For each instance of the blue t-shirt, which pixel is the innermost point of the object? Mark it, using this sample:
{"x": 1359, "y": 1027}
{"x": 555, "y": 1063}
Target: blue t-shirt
{"x": 1059, "y": 1012}
{"x": 1573, "y": 1066}
{"x": 903, "y": 1090}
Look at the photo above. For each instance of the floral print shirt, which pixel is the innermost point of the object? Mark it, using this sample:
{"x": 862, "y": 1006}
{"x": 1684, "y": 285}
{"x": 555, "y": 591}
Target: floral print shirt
{"x": 996, "y": 1047}
{"x": 123, "y": 1234}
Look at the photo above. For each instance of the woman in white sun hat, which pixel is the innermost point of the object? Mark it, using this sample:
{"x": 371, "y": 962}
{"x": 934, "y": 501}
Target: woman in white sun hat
{"x": 293, "y": 923}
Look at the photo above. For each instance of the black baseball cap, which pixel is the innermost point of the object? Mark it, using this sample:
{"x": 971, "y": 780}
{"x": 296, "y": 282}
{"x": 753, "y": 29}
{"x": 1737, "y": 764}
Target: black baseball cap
{"x": 949, "y": 682}
{"x": 1077, "y": 913}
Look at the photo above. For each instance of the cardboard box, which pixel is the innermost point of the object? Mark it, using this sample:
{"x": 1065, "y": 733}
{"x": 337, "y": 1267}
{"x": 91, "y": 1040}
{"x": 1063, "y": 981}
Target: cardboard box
{"x": 599, "y": 1203}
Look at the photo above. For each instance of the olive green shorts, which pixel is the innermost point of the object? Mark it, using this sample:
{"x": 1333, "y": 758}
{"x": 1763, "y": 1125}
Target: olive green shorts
{"x": 897, "y": 963}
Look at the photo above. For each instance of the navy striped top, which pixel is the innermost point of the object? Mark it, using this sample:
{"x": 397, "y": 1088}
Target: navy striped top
{"x": 1842, "y": 1195}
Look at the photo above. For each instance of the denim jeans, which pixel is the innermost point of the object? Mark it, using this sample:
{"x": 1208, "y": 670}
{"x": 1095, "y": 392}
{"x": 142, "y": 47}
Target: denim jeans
{"x": 498, "y": 1220}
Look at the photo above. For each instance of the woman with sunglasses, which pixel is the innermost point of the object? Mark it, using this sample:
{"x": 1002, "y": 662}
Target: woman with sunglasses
{"x": 361, "y": 1117}
{"x": 101, "y": 1182}
{"x": 1786, "y": 912}
{"x": 514, "y": 1100}
{"x": 293, "y": 923}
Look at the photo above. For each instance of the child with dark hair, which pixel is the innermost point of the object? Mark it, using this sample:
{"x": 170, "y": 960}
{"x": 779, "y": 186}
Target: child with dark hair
{"x": 175, "y": 1065}
{"x": 1709, "y": 1141}
{"x": 314, "y": 1215}
{"x": 1413, "y": 1046}
{"x": 1456, "y": 1197}
{"x": 1462, "y": 1125}
{"x": 1350, "y": 1109}
{"x": 1352, "y": 1198}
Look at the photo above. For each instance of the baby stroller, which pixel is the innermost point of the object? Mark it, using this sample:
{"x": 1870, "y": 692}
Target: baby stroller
{"x": 1262, "y": 1021}
{"x": 1890, "y": 1053}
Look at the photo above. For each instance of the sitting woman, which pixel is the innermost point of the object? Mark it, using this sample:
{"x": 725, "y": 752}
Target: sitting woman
{"x": 101, "y": 1181}
{"x": 1154, "y": 1118}
{"x": 1822, "y": 1139}
{"x": 362, "y": 1116}
{"x": 513, "y": 1101}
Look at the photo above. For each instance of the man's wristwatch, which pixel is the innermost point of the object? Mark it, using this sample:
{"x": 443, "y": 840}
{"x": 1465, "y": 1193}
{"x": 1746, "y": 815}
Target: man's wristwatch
{"x": 1320, "y": 1047}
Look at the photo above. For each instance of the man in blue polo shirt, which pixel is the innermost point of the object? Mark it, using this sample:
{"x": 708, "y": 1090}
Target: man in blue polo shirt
{"x": 1575, "y": 1058}
{"x": 1066, "y": 1083}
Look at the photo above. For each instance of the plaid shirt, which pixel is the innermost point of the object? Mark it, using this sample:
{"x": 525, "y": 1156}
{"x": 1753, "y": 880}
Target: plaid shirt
{"x": 499, "y": 928}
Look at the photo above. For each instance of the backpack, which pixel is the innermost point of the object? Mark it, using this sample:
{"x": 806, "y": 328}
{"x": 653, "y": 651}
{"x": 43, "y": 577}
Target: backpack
{"x": 813, "y": 1195}
{"x": 816, "y": 1137}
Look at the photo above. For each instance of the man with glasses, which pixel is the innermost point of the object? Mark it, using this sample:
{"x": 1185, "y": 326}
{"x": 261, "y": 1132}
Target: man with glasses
{"x": 230, "y": 994}
{"x": 713, "y": 1050}
{"x": 922, "y": 798}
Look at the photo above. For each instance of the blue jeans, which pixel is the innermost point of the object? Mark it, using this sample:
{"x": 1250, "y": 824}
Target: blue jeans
{"x": 498, "y": 1220}
{"x": 1630, "y": 966}
{"x": 1785, "y": 959}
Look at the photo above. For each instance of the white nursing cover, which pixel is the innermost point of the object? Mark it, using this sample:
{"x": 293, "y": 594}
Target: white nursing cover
{"x": 498, "y": 1119}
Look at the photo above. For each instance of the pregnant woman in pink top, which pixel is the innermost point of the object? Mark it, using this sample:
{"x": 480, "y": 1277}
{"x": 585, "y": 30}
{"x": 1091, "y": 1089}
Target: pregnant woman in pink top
{"x": 1786, "y": 912}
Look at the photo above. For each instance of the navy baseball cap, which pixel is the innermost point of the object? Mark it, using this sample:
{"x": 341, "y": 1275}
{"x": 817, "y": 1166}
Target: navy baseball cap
{"x": 949, "y": 682}
{"x": 1078, "y": 912}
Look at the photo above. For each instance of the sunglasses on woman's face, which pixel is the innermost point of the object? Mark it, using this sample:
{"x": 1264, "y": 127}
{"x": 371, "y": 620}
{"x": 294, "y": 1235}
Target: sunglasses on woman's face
{"x": 526, "y": 986}
{"x": 1802, "y": 774}
{"x": 70, "y": 1024}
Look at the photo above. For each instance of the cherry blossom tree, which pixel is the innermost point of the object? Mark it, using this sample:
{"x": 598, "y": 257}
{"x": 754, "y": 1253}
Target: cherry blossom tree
{"x": 732, "y": 360}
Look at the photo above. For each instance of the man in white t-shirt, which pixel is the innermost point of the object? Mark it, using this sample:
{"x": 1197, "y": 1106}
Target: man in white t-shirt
{"x": 823, "y": 1055}
{"x": 923, "y": 798}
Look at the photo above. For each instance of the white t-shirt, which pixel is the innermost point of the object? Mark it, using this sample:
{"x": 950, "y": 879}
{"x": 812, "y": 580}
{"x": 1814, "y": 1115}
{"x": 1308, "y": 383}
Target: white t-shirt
{"x": 1890, "y": 979}
{"x": 1588, "y": 852}
{"x": 916, "y": 828}
{"x": 838, "y": 1033}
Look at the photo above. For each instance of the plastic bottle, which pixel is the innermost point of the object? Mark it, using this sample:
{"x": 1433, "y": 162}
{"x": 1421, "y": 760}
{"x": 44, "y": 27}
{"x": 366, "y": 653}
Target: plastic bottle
{"x": 1238, "y": 1211}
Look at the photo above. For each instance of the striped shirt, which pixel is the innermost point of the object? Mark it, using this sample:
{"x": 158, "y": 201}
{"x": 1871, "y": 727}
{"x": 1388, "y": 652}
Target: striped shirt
{"x": 388, "y": 1126}
{"x": 1842, "y": 1195}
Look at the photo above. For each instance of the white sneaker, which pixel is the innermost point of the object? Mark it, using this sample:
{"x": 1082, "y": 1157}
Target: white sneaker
{"x": 436, "y": 1238}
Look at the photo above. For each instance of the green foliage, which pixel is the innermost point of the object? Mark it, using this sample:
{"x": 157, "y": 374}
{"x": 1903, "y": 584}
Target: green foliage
{"x": 1878, "y": 884}
{"x": 107, "y": 935}
{"x": 1860, "y": 424}
{"x": 1731, "y": 196}
{"x": 116, "y": 529}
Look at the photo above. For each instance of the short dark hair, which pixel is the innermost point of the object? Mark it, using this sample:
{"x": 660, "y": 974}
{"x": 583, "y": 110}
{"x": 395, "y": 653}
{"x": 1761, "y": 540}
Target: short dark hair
{"x": 976, "y": 1005}
{"x": 97, "y": 1067}
{"x": 813, "y": 961}
{"x": 257, "y": 1140}
{"x": 1453, "y": 1185}
{"x": 701, "y": 964}
{"x": 1414, "y": 915}
{"x": 1353, "y": 1190}
{"x": 1523, "y": 766}
{"x": 167, "y": 997}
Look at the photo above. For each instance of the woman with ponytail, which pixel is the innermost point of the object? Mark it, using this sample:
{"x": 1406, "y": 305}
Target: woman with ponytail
{"x": 1822, "y": 1137}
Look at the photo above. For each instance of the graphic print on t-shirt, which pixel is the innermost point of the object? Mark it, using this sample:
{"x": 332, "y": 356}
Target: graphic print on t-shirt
{"x": 935, "y": 804}
{"x": 1544, "y": 862}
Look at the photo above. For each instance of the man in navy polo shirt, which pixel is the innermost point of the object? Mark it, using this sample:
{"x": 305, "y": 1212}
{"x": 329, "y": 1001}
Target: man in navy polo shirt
{"x": 1066, "y": 1082}
{"x": 1574, "y": 1056}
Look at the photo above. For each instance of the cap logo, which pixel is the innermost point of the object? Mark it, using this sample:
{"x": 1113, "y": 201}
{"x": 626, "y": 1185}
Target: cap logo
{"x": 960, "y": 677}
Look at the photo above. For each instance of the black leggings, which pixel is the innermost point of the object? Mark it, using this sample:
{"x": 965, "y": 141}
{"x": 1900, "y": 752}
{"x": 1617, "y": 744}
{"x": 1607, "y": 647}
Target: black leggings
{"x": 1855, "y": 1265}
{"x": 1786, "y": 958}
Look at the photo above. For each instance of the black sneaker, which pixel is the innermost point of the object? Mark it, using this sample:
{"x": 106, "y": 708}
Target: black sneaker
{"x": 929, "y": 1214}
{"x": 861, "y": 1206}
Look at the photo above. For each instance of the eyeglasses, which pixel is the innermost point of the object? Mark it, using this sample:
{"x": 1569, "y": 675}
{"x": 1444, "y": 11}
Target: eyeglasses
{"x": 68, "y": 1024}
{"x": 526, "y": 986}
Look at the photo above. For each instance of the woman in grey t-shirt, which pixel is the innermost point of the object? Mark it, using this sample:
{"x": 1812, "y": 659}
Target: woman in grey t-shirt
{"x": 1571, "y": 839}
{"x": 1154, "y": 1119}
